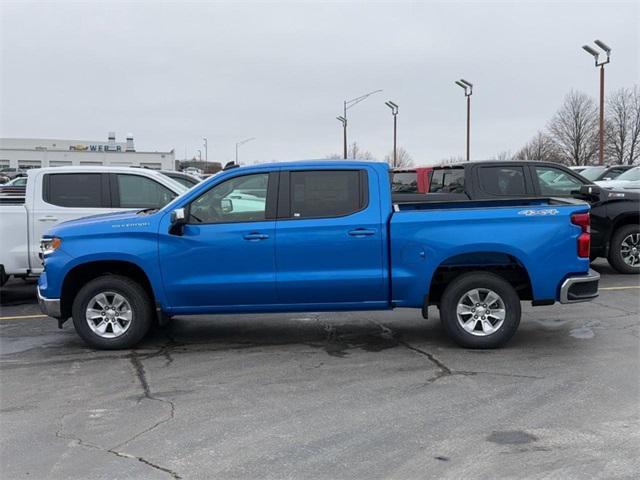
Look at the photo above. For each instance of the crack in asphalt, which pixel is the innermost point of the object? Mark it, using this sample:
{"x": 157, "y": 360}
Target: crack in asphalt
{"x": 141, "y": 376}
{"x": 443, "y": 369}
{"x": 144, "y": 384}
{"x": 79, "y": 441}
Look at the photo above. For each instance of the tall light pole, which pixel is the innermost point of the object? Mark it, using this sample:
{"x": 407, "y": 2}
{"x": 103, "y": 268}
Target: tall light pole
{"x": 242, "y": 143}
{"x": 468, "y": 91}
{"x": 344, "y": 135}
{"x": 347, "y": 105}
{"x": 206, "y": 149}
{"x": 199, "y": 155}
{"x": 607, "y": 50}
{"x": 394, "y": 112}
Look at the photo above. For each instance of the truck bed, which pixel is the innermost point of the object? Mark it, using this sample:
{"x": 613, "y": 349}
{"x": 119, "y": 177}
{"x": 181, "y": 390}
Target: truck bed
{"x": 535, "y": 234}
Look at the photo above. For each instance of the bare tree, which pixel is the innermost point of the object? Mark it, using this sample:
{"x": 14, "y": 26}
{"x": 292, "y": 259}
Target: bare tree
{"x": 623, "y": 126}
{"x": 353, "y": 152}
{"x": 540, "y": 148}
{"x": 503, "y": 156}
{"x": 403, "y": 159}
{"x": 574, "y": 129}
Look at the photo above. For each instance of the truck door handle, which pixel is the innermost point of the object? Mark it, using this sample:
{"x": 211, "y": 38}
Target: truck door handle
{"x": 48, "y": 218}
{"x": 255, "y": 236}
{"x": 362, "y": 232}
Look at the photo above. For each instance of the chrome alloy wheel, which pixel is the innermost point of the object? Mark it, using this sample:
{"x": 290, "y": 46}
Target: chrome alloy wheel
{"x": 630, "y": 250}
{"x": 481, "y": 312}
{"x": 109, "y": 314}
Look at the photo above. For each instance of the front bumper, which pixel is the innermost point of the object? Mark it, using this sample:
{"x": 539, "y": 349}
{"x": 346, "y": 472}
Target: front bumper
{"x": 580, "y": 289}
{"x": 49, "y": 306}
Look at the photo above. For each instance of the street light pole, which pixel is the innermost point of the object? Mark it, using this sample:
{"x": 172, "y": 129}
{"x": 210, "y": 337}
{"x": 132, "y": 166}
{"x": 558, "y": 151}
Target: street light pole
{"x": 206, "y": 150}
{"x": 468, "y": 91}
{"x": 591, "y": 51}
{"x": 343, "y": 118}
{"x": 200, "y": 155}
{"x": 238, "y": 144}
{"x": 344, "y": 135}
{"x": 394, "y": 112}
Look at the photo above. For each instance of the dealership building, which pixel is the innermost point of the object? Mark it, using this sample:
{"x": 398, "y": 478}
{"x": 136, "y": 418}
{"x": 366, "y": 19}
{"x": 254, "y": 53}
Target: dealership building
{"x": 26, "y": 153}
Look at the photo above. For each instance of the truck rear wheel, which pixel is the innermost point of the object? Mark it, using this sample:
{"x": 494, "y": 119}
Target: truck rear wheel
{"x": 112, "y": 312}
{"x": 624, "y": 250}
{"x": 480, "y": 310}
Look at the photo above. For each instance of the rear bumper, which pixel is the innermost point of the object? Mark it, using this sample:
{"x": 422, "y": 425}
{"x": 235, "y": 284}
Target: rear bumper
{"x": 580, "y": 288}
{"x": 49, "y": 306}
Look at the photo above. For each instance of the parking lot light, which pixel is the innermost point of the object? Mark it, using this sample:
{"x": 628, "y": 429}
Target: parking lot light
{"x": 346, "y": 106}
{"x": 596, "y": 56}
{"x": 394, "y": 112}
{"x": 468, "y": 91}
{"x": 242, "y": 142}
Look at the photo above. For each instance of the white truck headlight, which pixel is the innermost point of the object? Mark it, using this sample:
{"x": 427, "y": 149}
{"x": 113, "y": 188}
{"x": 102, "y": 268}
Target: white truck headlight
{"x": 48, "y": 245}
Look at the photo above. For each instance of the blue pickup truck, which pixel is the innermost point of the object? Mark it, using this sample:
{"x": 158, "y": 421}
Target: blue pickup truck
{"x": 315, "y": 236}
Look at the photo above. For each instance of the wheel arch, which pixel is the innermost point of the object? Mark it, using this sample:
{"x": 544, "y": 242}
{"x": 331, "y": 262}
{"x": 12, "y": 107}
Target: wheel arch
{"x": 85, "y": 272}
{"x": 505, "y": 265}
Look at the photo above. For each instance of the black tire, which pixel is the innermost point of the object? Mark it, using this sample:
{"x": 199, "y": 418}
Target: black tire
{"x": 135, "y": 295}
{"x": 615, "y": 258}
{"x": 456, "y": 291}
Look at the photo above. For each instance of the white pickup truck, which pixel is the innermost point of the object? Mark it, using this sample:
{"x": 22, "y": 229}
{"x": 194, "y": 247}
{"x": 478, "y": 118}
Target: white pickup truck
{"x": 58, "y": 194}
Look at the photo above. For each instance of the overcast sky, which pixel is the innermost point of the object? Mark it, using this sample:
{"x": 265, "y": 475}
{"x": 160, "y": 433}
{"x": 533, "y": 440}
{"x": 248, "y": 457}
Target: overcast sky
{"x": 174, "y": 72}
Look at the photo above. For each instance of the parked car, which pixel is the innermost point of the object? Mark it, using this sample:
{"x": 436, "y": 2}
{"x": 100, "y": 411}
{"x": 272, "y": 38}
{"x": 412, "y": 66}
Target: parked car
{"x": 58, "y": 194}
{"x": 615, "y": 216}
{"x": 629, "y": 180}
{"x": 15, "y": 186}
{"x": 602, "y": 172}
{"x": 183, "y": 178}
{"x": 323, "y": 235}
{"x": 11, "y": 172}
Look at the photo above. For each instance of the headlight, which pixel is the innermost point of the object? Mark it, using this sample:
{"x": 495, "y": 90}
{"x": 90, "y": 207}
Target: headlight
{"x": 49, "y": 245}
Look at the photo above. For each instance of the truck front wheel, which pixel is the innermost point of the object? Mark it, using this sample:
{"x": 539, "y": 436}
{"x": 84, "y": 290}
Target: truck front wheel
{"x": 112, "y": 312}
{"x": 480, "y": 310}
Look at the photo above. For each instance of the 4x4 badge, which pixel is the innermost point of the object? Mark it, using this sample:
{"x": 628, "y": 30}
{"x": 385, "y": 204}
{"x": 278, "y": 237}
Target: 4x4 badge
{"x": 542, "y": 211}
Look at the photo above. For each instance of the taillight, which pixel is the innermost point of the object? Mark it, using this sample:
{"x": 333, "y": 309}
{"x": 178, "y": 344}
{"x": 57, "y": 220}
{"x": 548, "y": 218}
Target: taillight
{"x": 584, "y": 239}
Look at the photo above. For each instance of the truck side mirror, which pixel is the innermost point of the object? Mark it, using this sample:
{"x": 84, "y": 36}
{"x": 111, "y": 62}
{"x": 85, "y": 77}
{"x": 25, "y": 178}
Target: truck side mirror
{"x": 226, "y": 204}
{"x": 178, "y": 221}
{"x": 590, "y": 190}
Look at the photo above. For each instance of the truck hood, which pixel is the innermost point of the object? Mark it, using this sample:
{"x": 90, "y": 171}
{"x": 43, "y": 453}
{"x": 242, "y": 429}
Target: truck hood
{"x": 105, "y": 222}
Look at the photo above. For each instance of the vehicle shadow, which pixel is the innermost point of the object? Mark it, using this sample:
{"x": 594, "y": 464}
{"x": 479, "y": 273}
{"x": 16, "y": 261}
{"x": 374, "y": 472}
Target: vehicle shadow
{"x": 335, "y": 336}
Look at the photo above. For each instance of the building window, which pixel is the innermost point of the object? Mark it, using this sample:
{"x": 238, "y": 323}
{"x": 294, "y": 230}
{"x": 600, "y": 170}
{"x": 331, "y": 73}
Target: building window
{"x": 4, "y": 163}
{"x": 91, "y": 163}
{"x": 60, "y": 163}
{"x": 27, "y": 164}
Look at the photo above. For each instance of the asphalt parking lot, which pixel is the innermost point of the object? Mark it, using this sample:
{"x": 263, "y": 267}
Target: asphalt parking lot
{"x": 327, "y": 396}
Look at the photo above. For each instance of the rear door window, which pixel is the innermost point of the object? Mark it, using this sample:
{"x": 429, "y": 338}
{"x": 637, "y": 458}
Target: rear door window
{"x": 447, "y": 180}
{"x": 326, "y": 193}
{"x": 74, "y": 190}
{"x": 502, "y": 181}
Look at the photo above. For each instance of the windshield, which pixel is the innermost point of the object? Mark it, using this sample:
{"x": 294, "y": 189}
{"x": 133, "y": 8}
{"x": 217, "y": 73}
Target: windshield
{"x": 632, "y": 175}
{"x": 592, "y": 173}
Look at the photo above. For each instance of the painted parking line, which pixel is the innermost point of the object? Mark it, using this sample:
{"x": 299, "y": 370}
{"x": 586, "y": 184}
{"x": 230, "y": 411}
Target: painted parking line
{"x": 23, "y": 317}
{"x": 630, "y": 287}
